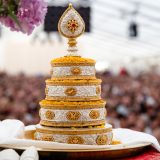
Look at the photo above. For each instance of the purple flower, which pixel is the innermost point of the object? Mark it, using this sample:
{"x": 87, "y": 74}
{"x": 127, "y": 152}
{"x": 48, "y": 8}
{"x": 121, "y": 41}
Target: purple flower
{"x": 30, "y": 14}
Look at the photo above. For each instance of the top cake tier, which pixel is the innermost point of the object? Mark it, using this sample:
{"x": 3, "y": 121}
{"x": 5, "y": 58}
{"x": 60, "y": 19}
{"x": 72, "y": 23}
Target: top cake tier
{"x": 73, "y": 67}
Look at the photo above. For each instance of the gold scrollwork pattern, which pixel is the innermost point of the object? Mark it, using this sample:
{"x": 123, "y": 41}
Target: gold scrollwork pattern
{"x": 98, "y": 90}
{"x": 71, "y": 115}
{"x": 49, "y": 115}
{"x": 102, "y": 140}
{"x": 94, "y": 114}
{"x": 46, "y": 91}
{"x": 47, "y": 138}
{"x": 71, "y": 91}
{"x": 75, "y": 140}
{"x": 76, "y": 71}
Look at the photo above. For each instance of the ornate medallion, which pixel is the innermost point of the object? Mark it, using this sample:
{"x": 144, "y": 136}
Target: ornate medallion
{"x": 71, "y": 91}
{"x": 71, "y": 115}
{"x": 49, "y": 115}
{"x": 47, "y": 138}
{"x": 98, "y": 90}
{"x": 94, "y": 114}
{"x": 76, "y": 71}
{"x": 102, "y": 140}
{"x": 71, "y": 25}
{"x": 75, "y": 140}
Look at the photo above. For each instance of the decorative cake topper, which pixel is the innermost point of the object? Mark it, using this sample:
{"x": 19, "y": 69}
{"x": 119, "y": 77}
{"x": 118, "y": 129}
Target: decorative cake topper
{"x": 71, "y": 26}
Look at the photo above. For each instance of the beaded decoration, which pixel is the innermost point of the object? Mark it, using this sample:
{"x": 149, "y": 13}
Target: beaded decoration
{"x": 71, "y": 26}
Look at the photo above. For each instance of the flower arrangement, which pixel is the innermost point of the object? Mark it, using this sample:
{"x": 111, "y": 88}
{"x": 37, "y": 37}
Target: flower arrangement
{"x": 22, "y": 15}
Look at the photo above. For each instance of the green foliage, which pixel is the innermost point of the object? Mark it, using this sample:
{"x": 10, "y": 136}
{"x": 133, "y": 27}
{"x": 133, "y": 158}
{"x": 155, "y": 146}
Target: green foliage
{"x": 9, "y": 9}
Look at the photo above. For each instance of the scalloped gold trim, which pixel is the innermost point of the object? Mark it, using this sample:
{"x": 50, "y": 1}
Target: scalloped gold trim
{"x": 73, "y": 98}
{"x": 79, "y": 77}
{"x": 72, "y": 124}
{"x": 51, "y": 103}
{"x": 72, "y": 107}
{"x": 73, "y": 131}
{"x": 53, "y": 64}
{"x": 73, "y": 82}
{"x": 73, "y": 60}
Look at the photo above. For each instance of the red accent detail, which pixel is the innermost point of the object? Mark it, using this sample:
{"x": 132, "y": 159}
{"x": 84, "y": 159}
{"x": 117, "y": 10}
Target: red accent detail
{"x": 73, "y": 25}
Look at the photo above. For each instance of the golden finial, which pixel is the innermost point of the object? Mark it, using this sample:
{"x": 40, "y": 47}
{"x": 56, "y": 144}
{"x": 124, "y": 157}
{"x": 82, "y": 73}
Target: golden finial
{"x": 71, "y": 26}
{"x": 70, "y": 5}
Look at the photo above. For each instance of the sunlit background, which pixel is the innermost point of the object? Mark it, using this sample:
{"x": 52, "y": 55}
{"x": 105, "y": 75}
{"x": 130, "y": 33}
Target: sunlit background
{"x": 123, "y": 36}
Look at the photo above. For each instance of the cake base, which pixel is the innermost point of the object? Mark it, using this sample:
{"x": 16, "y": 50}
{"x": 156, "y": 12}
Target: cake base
{"x": 72, "y": 153}
{"x": 89, "y": 136}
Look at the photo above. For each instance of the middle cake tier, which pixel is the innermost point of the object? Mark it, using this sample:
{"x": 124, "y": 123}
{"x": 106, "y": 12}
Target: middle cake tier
{"x": 73, "y": 90}
{"x": 72, "y": 114}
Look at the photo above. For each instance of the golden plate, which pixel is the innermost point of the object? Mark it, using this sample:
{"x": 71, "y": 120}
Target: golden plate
{"x": 113, "y": 151}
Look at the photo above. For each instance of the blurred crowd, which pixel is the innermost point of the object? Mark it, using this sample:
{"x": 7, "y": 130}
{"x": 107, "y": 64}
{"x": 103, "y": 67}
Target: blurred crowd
{"x": 20, "y": 96}
{"x": 132, "y": 102}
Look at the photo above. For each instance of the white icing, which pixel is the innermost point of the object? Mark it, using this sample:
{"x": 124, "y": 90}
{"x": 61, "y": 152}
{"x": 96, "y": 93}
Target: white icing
{"x": 82, "y": 91}
{"x": 66, "y": 71}
{"x": 60, "y": 115}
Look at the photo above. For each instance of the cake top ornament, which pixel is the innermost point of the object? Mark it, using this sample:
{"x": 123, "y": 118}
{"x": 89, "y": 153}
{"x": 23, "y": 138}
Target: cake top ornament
{"x": 71, "y": 25}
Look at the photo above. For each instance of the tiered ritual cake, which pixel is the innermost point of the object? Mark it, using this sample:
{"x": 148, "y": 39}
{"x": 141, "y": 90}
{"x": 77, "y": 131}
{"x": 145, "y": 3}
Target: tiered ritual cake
{"x": 73, "y": 111}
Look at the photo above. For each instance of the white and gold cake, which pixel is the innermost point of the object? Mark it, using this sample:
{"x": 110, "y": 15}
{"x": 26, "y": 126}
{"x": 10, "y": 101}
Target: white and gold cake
{"x": 73, "y": 111}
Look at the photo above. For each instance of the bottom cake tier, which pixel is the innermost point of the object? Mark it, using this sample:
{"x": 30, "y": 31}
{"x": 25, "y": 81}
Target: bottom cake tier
{"x": 99, "y": 135}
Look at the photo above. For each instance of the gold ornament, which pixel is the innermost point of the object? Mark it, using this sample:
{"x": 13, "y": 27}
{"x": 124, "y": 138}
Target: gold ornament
{"x": 98, "y": 90}
{"x": 71, "y": 25}
{"x": 47, "y": 138}
{"x": 76, "y": 71}
{"x": 102, "y": 140}
{"x": 49, "y": 115}
{"x": 46, "y": 91}
{"x": 105, "y": 113}
{"x": 71, "y": 115}
{"x": 75, "y": 140}
{"x": 94, "y": 114}
{"x": 71, "y": 91}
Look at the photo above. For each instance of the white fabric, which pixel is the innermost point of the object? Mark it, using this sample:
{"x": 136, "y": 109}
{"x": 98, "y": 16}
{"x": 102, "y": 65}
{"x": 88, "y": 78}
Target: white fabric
{"x": 11, "y": 128}
{"x": 9, "y": 154}
{"x": 30, "y": 154}
{"x": 126, "y": 136}
{"x": 130, "y": 137}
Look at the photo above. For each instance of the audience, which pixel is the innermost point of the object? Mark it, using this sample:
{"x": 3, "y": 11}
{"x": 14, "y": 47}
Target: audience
{"x": 132, "y": 102}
